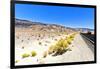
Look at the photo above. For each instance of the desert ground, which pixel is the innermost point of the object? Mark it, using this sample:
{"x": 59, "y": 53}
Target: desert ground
{"x": 38, "y": 47}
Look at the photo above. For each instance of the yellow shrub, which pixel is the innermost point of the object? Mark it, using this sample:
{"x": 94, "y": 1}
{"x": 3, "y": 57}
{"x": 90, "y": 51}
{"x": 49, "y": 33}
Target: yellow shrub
{"x": 61, "y": 45}
{"x": 60, "y": 42}
{"x": 72, "y": 36}
{"x": 25, "y": 55}
{"x": 69, "y": 40}
{"x": 65, "y": 43}
{"x": 16, "y": 61}
{"x": 33, "y": 53}
{"x": 51, "y": 49}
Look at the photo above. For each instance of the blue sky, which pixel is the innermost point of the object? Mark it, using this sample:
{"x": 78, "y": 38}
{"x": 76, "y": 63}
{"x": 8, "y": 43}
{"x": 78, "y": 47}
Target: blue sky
{"x": 75, "y": 17}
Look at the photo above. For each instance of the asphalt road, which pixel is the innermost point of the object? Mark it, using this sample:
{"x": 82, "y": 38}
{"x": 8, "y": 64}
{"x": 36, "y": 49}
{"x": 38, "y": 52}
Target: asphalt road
{"x": 90, "y": 40}
{"x": 89, "y": 37}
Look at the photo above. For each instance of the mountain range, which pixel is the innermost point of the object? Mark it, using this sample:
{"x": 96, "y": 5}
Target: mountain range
{"x": 47, "y": 27}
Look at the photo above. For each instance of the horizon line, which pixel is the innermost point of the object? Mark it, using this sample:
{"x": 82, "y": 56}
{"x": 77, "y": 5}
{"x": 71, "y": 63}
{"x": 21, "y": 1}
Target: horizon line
{"x": 52, "y": 23}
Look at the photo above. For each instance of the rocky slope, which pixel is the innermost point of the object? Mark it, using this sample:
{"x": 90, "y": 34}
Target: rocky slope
{"x": 38, "y": 26}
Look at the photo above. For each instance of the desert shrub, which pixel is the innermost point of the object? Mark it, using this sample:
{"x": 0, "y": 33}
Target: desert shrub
{"x": 61, "y": 46}
{"x": 60, "y": 42}
{"x": 65, "y": 44}
{"x": 69, "y": 40}
{"x": 25, "y": 55}
{"x": 22, "y": 40}
{"x": 45, "y": 44}
{"x": 39, "y": 35}
{"x": 59, "y": 50}
{"x": 69, "y": 49}
{"x": 72, "y": 39}
{"x": 51, "y": 49}
{"x": 33, "y": 53}
{"x": 22, "y": 47}
{"x": 72, "y": 36}
{"x": 16, "y": 61}
{"x": 17, "y": 37}
{"x": 55, "y": 39}
{"x": 45, "y": 54}
{"x": 40, "y": 43}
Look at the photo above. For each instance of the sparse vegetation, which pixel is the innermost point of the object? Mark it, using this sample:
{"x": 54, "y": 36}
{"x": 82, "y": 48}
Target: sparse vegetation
{"x": 22, "y": 40}
{"x": 51, "y": 50}
{"x": 16, "y": 61}
{"x": 33, "y": 53}
{"x": 64, "y": 33}
{"x": 47, "y": 41}
{"x": 33, "y": 42}
{"x": 45, "y": 54}
{"x": 61, "y": 46}
{"x": 25, "y": 55}
{"x": 22, "y": 47}
{"x": 28, "y": 39}
{"x": 72, "y": 46}
{"x": 55, "y": 39}
{"x": 39, "y": 35}
{"x": 69, "y": 49}
{"x": 69, "y": 40}
{"x": 40, "y": 43}
{"x": 17, "y": 37}
{"x": 45, "y": 44}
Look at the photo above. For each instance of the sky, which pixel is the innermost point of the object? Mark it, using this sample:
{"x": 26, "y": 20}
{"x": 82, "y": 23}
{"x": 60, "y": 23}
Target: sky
{"x": 75, "y": 17}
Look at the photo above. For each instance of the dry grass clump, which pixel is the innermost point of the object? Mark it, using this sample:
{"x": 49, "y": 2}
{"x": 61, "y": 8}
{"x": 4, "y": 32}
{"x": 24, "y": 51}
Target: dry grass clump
{"x": 51, "y": 49}
{"x": 61, "y": 46}
{"x": 45, "y": 54}
{"x": 69, "y": 49}
{"x": 22, "y": 47}
{"x": 25, "y": 55}
{"x": 33, "y": 53}
{"x": 16, "y": 61}
{"x": 22, "y": 40}
{"x": 69, "y": 40}
{"x": 40, "y": 43}
{"x": 17, "y": 37}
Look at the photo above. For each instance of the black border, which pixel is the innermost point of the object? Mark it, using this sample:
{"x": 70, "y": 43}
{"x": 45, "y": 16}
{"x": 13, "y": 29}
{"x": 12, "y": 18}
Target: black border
{"x": 12, "y": 32}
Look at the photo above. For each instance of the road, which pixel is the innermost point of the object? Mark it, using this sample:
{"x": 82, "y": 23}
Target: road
{"x": 90, "y": 37}
{"x": 90, "y": 40}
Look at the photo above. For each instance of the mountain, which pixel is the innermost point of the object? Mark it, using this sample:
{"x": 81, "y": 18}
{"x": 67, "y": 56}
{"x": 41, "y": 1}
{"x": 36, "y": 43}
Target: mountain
{"x": 23, "y": 23}
{"x": 84, "y": 29}
{"x": 38, "y": 26}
